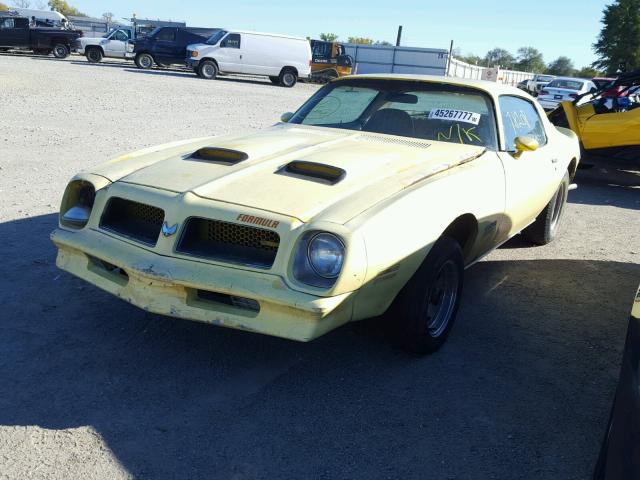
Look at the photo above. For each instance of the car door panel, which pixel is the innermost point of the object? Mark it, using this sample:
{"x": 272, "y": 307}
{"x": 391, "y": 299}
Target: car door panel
{"x": 531, "y": 176}
{"x": 229, "y": 55}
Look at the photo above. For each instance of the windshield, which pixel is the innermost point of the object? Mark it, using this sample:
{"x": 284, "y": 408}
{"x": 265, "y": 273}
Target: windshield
{"x": 109, "y": 33}
{"x": 543, "y": 78}
{"x": 568, "y": 84}
{"x": 430, "y": 111}
{"x": 216, "y": 37}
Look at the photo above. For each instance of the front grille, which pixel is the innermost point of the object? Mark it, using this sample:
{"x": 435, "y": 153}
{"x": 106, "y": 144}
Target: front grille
{"x": 229, "y": 242}
{"x": 133, "y": 220}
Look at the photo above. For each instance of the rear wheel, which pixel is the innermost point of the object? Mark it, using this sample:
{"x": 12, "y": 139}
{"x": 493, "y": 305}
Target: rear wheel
{"x": 144, "y": 61}
{"x": 423, "y": 313}
{"x": 94, "y": 55}
{"x": 288, "y": 78}
{"x": 60, "y": 50}
{"x": 207, "y": 70}
{"x": 545, "y": 229}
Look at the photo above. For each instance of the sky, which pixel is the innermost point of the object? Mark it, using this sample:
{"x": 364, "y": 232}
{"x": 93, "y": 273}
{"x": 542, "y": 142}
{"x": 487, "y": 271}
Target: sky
{"x": 555, "y": 27}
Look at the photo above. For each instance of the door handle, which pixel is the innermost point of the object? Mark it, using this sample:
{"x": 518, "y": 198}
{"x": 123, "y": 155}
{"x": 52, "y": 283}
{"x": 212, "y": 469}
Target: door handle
{"x": 240, "y": 57}
{"x": 554, "y": 160}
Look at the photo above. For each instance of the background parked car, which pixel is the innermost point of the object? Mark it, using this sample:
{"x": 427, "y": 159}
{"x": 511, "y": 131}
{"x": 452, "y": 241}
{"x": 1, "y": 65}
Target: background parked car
{"x": 16, "y": 33}
{"x": 534, "y": 85}
{"x": 166, "y": 45}
{"x": 565, "y": 89}
{"x": 113, "y": 44}
{"x": 282, "y": 58}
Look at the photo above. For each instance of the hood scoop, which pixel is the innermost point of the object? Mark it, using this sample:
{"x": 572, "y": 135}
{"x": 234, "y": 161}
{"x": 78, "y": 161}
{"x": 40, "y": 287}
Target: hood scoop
{"x": 317, "y": 172}
{"x": 218, "y": 155}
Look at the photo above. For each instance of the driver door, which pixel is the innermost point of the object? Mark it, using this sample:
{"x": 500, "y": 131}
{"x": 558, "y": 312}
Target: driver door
{"x": 229, "y": 55}
{"x": 116, "y": 44}
{"x": 531, "y": 178}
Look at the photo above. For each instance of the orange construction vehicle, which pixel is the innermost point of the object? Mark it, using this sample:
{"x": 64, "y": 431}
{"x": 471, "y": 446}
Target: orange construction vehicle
{"x": 328, "y": 61}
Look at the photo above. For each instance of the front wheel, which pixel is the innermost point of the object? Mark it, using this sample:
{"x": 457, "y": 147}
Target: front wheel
{"x": 94, "y": 55}
{"x": 423, "y": 313}
{"x": 144, "y": 61}
{"x": 207, "y": 70}
{"x": 288, "y": 78}
{"x": 60, "y": 50}
{"x": 545, "y": 228}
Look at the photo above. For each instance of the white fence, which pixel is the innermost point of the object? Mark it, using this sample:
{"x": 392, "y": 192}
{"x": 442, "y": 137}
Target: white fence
{"x": 460, "y": 69}
{"x": 389, "y": 59}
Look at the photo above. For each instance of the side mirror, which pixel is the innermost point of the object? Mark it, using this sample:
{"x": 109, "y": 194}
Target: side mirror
{"x": 285, "y": 117}
{"x": 525, "y": 144}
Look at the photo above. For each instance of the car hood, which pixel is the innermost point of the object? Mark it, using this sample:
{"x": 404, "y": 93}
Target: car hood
{"x": 375, "y": 166}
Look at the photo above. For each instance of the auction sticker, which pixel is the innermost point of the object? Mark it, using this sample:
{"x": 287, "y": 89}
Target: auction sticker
{"x": 455, "y": 115}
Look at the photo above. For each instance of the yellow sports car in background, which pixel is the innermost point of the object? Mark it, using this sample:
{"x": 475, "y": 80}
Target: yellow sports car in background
{"x": 608, "y": 126}
{"x": 373, "y": 197}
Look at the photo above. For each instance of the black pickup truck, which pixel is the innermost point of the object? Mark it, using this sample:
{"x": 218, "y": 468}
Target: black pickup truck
{"x": 166, "y": 45}
{"x": 15, "y": 33}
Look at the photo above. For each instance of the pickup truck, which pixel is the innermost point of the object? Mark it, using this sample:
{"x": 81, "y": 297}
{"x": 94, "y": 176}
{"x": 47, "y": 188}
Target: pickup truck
{"x": 534, "y": 85}
{"x": 113, "y": 45}
{"x": 15, "y": 33}
{"x": 166, "y": 45}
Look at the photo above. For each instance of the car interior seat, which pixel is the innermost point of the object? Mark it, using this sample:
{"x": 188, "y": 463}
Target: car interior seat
{"x": 390, "y": 121}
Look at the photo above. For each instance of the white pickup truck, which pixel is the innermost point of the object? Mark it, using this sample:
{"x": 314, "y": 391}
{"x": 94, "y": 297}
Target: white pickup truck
{"x": 113, "y": 45}
{"x": 534, "y": 85}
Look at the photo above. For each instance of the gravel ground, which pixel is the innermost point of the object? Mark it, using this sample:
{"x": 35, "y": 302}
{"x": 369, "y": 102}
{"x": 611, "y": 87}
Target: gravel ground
{"x": 91, "y": 387}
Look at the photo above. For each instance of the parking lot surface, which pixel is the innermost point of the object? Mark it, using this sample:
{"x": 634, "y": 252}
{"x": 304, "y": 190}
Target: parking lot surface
{"x": 91, "y": 387}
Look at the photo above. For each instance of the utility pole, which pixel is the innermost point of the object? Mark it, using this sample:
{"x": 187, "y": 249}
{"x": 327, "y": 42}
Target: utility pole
{"x": 399, "y": 36}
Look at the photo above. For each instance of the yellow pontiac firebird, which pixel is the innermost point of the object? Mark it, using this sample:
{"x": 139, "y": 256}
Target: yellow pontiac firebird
{"x": 373, "y": 197}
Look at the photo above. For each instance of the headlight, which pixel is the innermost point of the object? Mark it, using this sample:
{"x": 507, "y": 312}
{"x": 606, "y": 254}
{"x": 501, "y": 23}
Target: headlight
{"x": 326, "y": 255}
{"x": 318, "y": 259}
{"x": 77, "y": 204}
{"x": 194, "y": 54}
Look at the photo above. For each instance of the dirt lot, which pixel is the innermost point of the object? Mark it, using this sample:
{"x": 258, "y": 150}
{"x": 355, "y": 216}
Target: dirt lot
{"x": 91, "y": 387}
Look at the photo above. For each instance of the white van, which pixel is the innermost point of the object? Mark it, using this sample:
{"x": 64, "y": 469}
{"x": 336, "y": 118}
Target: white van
{"x": 281, "y": 58}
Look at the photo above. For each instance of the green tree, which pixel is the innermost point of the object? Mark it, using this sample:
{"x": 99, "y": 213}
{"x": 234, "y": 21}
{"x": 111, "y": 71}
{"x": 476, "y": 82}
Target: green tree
{"x": 65, "y": 9}
{"x": 360, "y": 40}
{"x": 499, "y": 56}
{"x": 619, "y": 39}
{"x": 472, "y": 59}
{"x": 3, "y": 7}
{"x": 329, "y": 37}
{"x": 530, "y": 60}
{"x": 561, "y": 66}
{"x": 588, "y": 72}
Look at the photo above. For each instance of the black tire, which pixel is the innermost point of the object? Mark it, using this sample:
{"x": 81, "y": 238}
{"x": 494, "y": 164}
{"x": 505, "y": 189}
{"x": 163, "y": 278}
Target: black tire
{"x": 94, "y": 55}
{"x": 144, "y": 61}
{"x": 546, "y": 227}
{"x": 60, "y": 50}
{"x": 423, "y": 313}
{"x": 208, "y": 70}
{"x": 288, "y": 77}
{"x": 275, "y": 80}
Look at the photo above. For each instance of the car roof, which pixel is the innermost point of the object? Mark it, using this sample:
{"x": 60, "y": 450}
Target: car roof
{"x": 264, "y": 34}
{"x": 572, "y": 79}
{"x": 493, "y": 88}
